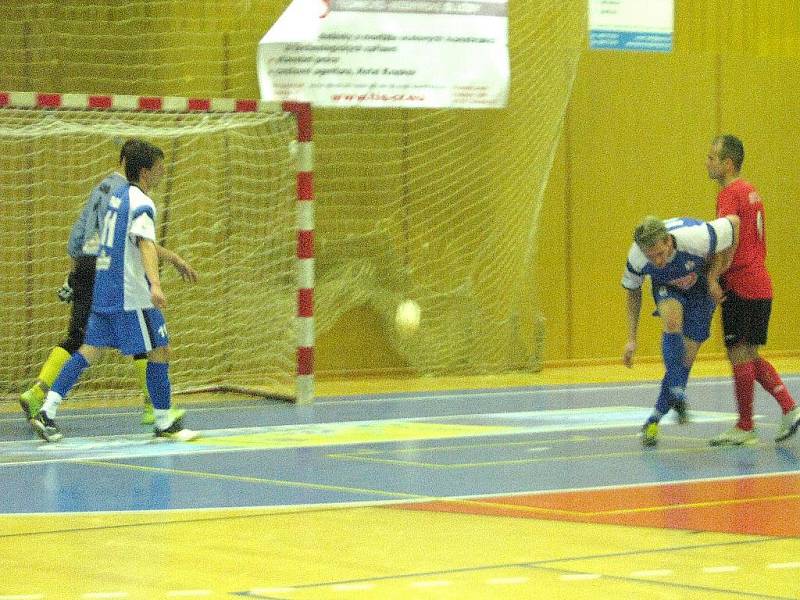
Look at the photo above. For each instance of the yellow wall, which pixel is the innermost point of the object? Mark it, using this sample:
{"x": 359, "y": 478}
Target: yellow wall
{"x": 637, "y": 132}
{"x": 635, "y": 137}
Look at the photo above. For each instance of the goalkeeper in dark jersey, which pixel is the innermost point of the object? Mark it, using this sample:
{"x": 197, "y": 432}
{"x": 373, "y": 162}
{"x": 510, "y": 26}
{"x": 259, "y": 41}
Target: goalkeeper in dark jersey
{"x": 83, "y": 246}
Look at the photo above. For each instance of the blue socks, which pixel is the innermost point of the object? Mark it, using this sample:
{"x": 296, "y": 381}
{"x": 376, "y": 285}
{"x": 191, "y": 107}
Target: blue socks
{"x": 158, "y": 384}
{"x": 673, "y": 351}
{"x": 69, "y": 375}
{"x": 673, "y": 385}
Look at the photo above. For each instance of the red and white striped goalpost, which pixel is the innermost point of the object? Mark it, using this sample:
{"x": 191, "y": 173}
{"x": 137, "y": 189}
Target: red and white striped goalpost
{"x": 304, "y": 382}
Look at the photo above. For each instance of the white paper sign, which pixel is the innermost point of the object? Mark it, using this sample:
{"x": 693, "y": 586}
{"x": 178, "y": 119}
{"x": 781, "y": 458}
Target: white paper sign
{"x": 642, "y": 25}
{"x": 388, "y": 53}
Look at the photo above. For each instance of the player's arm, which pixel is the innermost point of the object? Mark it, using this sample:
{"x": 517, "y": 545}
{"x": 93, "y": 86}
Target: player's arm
{"x": 150, "y": 263}
{"x": 143, "y": 234}
{"x": 185, "y": 270}
{"x": 721, "y": 261}
{"x": 78, "y": 231}
{"x": 634, "y": 309}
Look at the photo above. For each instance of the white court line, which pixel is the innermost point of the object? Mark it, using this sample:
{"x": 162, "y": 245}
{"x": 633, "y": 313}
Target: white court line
{"x": 652, "y": 573}
{"x": 786, "y": 565}
{"x": 553, "y": 388}
{"x": 271, "y": 591}
{"x": 721, "y": 569}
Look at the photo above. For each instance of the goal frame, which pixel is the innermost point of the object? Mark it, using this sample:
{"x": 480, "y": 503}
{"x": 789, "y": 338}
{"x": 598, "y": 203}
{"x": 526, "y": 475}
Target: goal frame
{"x": 301, "y": 111}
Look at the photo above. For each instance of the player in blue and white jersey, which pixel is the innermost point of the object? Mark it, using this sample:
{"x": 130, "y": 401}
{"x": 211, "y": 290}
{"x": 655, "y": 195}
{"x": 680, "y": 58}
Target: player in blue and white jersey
{"x": 83, "y": 246}
{"x": 127, "y": 298}
{"x": 675, "y": 254}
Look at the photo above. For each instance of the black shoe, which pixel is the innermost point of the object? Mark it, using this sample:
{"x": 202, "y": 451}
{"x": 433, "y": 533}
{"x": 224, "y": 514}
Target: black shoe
{"x": 45, "y": 427}
{"x": 681, "y": 410}
{"x": 649, "y": 434}
{"x": 176, "y": 431}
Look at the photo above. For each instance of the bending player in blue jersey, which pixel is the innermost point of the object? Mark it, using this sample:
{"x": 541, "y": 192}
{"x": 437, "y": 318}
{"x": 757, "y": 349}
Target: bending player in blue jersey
{"x": 127, "y": 298}
{"x": 83, "y": 246}
{"x": 675, "y": 254}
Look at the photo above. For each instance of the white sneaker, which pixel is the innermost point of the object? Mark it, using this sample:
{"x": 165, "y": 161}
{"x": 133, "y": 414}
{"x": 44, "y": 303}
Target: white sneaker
{"x": 789, "y": 424}
{"x": 735, "y": 437}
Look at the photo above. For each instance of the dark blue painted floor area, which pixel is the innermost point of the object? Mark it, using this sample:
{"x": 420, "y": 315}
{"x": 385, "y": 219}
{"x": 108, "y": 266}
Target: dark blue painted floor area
{"x": 377, "y": 449}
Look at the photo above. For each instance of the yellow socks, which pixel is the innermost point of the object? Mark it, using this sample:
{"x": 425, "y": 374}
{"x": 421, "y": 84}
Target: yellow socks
{"x": 141, "y": 377}
{"x": 52, "y": 366}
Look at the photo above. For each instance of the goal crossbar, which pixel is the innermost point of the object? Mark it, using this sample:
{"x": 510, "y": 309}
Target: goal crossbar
{"x": 304, "y": 153}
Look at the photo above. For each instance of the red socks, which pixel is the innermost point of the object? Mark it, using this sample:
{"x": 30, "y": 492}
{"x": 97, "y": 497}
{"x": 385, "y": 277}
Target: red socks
{"x": 744, "y": 377}
{"x": 769, "y": 379}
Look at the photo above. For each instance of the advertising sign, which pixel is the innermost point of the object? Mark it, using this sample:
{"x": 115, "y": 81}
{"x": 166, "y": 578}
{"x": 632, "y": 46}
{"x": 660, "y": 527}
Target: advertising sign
{"x": 640, "y": 25}
{"x": 388, "y": 53}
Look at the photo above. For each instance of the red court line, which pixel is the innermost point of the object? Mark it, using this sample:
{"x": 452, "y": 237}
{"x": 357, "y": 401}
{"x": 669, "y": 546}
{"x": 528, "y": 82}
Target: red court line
{"x": 765, "y": 505}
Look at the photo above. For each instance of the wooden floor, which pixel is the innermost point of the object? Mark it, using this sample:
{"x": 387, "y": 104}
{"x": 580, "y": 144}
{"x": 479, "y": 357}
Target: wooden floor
{"x": 510, "y": 487}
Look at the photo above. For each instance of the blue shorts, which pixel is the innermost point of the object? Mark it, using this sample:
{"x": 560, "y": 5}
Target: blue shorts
{"x": 698, "y": 308}
{"x": 131, "y": 331}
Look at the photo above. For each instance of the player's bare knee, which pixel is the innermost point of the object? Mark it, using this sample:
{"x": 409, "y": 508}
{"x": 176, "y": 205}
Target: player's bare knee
{"x": 160, "y": 354}
{"x": 90, "y": 353}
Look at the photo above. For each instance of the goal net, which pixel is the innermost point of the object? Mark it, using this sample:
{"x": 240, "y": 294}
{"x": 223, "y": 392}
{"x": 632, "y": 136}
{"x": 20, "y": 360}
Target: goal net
{"x": 438, "y": 206}
{"x": 442, "y": 207}
{"x": 226, "y": 204}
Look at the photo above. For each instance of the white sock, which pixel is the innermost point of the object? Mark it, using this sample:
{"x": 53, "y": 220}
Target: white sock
{"x": 51, "y": 402}
{"x": 163, "y": 419}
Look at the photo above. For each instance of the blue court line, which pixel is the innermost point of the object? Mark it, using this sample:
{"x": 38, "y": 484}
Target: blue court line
{"x": 335, "y": 434}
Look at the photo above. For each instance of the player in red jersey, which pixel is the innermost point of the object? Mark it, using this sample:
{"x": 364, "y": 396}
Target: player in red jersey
{"x": 746, "y": 289}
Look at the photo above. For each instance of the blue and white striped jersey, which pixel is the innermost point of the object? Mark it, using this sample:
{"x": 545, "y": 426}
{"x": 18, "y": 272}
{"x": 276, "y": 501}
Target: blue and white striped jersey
{"x": 120, "y": 282}
{"x": 84, "y": 239}
{"x": 696, "y": 242}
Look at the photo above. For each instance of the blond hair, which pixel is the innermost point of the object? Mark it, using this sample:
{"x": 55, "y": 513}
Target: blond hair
{"x": 649, "y": 232}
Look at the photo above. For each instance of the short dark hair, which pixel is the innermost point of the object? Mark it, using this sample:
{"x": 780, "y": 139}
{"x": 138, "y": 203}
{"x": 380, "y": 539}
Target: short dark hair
{"x": 731, "y": 147}
{"x": 141, "y": 155}
{"x": 127, "y": 148}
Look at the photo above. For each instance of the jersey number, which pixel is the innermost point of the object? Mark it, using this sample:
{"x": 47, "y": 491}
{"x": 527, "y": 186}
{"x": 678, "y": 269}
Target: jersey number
{"x": 755, "y": 198}
{"x": 109, "y": 226}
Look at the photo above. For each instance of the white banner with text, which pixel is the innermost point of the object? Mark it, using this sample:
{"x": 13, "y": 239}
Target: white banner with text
{"x": 388, "y": 53}
{"x": 637, "y": 25}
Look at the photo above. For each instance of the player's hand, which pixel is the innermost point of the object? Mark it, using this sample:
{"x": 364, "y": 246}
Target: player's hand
{"x": 185, "y": 270}
{"x": 627, "y": 355}
{"x": 157, "y": 297}
{"x": 716, "y": 292}
{"x": 66, "y": 292}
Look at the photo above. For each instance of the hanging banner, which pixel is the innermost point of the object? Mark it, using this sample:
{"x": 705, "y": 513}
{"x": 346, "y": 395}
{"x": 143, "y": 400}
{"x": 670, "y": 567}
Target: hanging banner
{"x": 640, "y": 25}
{"x": 388, "y": 53}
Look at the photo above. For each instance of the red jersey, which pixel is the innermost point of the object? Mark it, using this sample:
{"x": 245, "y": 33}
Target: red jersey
{"x": 747, "y": 276}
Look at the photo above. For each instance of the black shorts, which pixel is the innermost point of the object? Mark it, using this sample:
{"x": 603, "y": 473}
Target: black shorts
{"x": 745, "y": 321}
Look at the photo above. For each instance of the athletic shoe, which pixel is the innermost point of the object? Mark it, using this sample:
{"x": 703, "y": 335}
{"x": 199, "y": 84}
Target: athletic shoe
{"x": 176, "y": 432}
{"x": 681, "y": 412}
{"x": 31, "y": 401}
{"x": 149, "y": 415}
{"x": 649, "y": 434}
{"x": 735, "y": 437}
{"x": 789, "y": 424}
{"x": 45, "y": 427}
